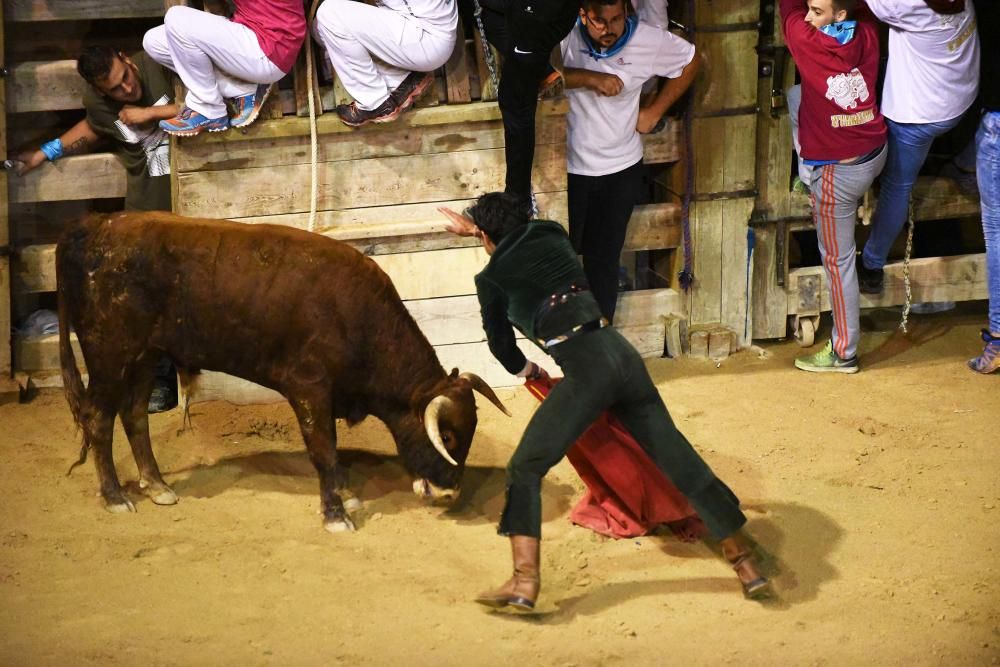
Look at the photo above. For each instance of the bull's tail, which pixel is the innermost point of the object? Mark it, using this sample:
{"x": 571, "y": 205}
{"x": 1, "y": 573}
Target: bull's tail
{"x": 72, "y": 380}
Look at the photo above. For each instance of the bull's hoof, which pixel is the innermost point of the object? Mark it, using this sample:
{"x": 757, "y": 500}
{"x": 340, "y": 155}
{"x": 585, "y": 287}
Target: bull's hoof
{"x": 124, "y": 506}
{"x": 352, "y": 504}
{"x": 159, "y": 493}
{"x": 165, "y": 496}
{"x": 339, "y": 525}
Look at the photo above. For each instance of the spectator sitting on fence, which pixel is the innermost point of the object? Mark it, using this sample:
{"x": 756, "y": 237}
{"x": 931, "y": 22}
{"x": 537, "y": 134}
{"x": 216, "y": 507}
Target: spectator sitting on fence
{"x": 930, "y": 82}
{"x": 842, "y": 135}
{"x": 221, "y": 59}
{"x": 385, "y": 54}
{"x": 607, "y": 58}
{"x": 126, "y": 98}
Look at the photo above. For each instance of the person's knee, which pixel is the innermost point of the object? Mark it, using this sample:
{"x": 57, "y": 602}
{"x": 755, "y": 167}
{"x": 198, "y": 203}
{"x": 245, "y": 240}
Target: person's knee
{"x": 330, "y": 18}
{"x": 177, "y": 17}
{"x": 154, "y": 42}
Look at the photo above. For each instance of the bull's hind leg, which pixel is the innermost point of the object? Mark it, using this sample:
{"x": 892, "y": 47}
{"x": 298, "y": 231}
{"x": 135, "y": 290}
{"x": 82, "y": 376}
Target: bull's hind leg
{"x": 135, "y": 420}
{"x": 320, "y": 435}
{"x": 98, "y": 425}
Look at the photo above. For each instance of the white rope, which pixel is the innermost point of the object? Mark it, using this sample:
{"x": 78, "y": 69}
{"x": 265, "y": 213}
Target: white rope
{"x": 906, "y": 272}
{"x": 313, "y": 140}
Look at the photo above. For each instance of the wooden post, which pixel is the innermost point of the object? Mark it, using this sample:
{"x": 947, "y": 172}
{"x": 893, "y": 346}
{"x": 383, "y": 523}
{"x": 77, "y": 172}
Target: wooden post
{"x": 8, "y": 387}
{"x": 724, "y": 143}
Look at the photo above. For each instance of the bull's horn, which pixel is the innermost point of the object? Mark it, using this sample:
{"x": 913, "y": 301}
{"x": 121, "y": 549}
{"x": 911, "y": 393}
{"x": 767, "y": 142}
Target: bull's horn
{"x": 480, "y": 385}
{"x": 433, "y": 430}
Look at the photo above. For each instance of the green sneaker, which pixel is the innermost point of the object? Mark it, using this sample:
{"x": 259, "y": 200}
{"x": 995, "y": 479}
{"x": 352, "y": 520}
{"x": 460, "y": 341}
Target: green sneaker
{"x": 827, "y": 361}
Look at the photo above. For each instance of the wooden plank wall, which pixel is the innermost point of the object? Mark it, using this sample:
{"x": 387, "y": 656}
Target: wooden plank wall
{"x": 724, "y": 141}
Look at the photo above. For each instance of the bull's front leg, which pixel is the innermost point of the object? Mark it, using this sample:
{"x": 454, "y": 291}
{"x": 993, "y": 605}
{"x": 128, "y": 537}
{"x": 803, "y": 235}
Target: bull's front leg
{"x": 320, "y": 435}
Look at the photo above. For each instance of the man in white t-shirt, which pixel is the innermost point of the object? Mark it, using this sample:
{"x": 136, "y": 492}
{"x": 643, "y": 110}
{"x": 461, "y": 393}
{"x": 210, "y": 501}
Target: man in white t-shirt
{"x": 607, "y": 57}
{"x": 931, "y": 80}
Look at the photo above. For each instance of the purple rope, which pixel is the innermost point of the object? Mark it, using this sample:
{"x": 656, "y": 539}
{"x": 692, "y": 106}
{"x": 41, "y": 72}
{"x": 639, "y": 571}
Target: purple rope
{"x": 687, "y": 273}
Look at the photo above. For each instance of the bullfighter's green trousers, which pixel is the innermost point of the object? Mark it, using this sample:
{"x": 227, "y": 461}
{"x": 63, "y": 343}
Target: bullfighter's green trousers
{"x": 604, "y": 372}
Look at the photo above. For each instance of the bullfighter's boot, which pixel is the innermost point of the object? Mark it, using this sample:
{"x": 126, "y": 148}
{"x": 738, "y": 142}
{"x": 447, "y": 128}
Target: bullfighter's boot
{"x": 740, "y": 555}
{"x": 521, "y": 590}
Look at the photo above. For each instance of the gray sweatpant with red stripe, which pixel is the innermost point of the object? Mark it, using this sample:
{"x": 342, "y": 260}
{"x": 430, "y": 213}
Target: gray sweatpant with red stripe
{"x": 835, "y": 191}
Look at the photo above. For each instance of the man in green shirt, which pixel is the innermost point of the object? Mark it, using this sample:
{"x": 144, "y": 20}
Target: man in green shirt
{"x": 534, "y": 282}
{"x": 126, "y": 99}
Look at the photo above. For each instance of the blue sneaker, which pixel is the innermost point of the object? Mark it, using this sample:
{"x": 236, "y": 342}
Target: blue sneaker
{"x": 189, "y": 123}
{"x": 989, "y": 360}
{"x": 247, "y": 107}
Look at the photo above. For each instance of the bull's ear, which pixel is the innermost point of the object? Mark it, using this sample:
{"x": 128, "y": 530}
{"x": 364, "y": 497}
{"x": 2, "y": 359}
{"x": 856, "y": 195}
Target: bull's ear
{"x": 453, "y": 374}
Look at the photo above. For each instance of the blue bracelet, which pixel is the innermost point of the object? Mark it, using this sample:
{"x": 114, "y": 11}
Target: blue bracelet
{"x": 53, "y": 149}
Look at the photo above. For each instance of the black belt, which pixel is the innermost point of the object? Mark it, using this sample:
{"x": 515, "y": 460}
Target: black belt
{"x": 592, "y": 325}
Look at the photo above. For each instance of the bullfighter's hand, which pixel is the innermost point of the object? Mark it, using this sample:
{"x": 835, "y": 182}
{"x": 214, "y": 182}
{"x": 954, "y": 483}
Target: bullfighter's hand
{"x": 28, "y": 160}
{"x": 458, "y": 223}
{"x": 608, "y": 85}
{"x": 538, "y": 373}
{"x": 647, "y": 120}
{"x": 131, "y": 115}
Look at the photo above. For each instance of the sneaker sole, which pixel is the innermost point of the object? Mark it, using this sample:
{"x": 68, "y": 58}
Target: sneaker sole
{"x": 256, "y": 109}
{"x": 416, "y": 93}
{"x": 194, "y": 133}
{"x": 381, "y": 119}
{"x": 826, "y": 369}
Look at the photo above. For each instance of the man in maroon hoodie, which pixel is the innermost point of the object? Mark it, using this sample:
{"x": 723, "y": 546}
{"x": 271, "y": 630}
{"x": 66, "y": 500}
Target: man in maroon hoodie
{"x": 843, "y": 137}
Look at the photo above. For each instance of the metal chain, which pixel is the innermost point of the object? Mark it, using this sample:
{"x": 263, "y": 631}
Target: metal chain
{"x": 906, "y": 272}
{"x": 487, "y": 51}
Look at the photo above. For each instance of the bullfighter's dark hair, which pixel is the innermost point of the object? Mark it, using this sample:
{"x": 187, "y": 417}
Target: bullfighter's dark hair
{"x": 95, "y": 62}
{"x": 498, "y": 214}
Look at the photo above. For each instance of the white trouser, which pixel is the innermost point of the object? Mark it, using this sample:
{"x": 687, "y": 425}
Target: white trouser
{"x": 354, "y": 34}
{"x": 215, "y": 58}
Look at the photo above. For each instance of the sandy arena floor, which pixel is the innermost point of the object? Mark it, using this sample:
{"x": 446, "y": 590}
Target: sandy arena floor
{"x": 876, "y": 496}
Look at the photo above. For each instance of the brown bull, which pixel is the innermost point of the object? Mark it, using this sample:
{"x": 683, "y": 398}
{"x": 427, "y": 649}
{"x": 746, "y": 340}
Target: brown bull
{"x": 302, "y": 314}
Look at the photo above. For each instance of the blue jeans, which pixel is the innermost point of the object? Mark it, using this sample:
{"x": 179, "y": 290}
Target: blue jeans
{"x": 909, "y": 144}
{"x": 988, "y": 175}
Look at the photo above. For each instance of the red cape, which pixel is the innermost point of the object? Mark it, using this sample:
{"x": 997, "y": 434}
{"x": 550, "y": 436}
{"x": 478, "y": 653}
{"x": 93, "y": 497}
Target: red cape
{"x": 627, "y": 495}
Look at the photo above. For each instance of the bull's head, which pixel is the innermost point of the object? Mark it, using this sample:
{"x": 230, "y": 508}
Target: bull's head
{"x": 449, "y": 421}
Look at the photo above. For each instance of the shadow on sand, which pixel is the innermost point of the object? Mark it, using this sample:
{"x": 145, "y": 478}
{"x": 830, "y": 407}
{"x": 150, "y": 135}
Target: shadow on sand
{"x": 794, "y": 544}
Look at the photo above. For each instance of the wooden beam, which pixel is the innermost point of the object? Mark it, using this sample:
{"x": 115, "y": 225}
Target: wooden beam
{"x": 455, "y": 320}
{"x": 395, "y": 142}
{"x": 937, "y": 198}
{"x": 45, "y": 86}
{"x": 729, "y": 78}
{"x": 241, "y": 193}
{"x": 78, "y": 10}
{"x": 457, "y": 70}
{"x": 933, "y": 279}
{"x": 33, "y": 354}
{"x": 331, "y": 124}
{"x": 415, "y": 228}
{"x": 96, "y": 176}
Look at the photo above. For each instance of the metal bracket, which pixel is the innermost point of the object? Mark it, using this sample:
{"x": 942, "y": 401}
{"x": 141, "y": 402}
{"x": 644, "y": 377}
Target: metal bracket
{"x": 809, "y": 299}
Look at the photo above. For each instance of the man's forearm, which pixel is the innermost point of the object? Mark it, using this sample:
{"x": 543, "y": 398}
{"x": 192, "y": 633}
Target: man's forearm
{"x": 79, "y": 139}
{"x": 574, "y": 77}
{"x": 674, "y": 88}
{"x": 164, "y": 111}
